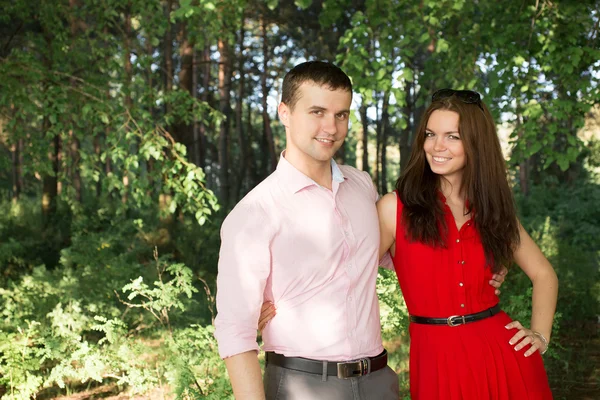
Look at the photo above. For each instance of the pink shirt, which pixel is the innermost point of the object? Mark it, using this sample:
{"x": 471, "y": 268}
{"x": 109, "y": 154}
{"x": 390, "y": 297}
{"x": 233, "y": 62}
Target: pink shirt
{"x": 311, "y": 251}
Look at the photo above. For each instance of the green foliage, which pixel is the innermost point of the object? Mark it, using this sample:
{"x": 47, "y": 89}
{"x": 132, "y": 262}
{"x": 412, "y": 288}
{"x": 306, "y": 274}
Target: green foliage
{"x": 565, "y": 223}
{"x": 65, "y": 325}
{"x": 20, "y": 359}
{"x": 196, "y": 370}
{"x": 394, "y": 316}
{"x": 394, "y": 325}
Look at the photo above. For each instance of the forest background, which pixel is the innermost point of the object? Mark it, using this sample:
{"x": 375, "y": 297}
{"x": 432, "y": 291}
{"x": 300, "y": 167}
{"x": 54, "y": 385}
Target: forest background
{"x": 129, "y": 128}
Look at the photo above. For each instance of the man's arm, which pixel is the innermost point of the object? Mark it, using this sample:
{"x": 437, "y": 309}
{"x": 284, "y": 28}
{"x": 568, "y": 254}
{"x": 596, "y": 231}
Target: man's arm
{"x": 245, "y": 376}
{"x": 244, "y": 267}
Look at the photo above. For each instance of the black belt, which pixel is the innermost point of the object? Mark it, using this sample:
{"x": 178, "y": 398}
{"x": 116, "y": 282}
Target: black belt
{"x": 456, "y": 320}
{"x": 342, "y": 370}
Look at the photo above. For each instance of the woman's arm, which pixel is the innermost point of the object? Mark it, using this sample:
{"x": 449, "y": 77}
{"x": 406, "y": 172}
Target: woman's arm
{"x": 545, "y": 289}
{"x": 386, "y": 210}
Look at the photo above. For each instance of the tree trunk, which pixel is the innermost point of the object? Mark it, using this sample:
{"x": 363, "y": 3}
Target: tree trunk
{"x": 17, "y": 162}
{"x": 168, "y": 55}
{"x": 268, "y": 133}
{"x": 50, "y": 182}
{"x": 75, "y": 158}
{"x": 252, "y": 165}
{"x": 410, "y": 126}
{"x": 204, "y": 98}
{"x": 224, "y": 107}
{"x": 524, "y": 163}
{"x": 364, "y": 119}
{"x": 20, "y": 178}
{"x": 195, "y": 150}
{"x": 378, "y": 126}
{"x": 97, "y": 153}
{"x": 127, "y": 85}
{"x": 16, "y": 172}
{"x": 74, "y": 140}
{"x": 384, "y": 134}
{"x": 186, "y": 50}
{"x": 239, "y": 120}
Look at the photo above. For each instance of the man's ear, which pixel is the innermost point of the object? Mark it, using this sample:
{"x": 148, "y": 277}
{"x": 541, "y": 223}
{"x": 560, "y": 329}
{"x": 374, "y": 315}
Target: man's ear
{"x": 284, "y": 113}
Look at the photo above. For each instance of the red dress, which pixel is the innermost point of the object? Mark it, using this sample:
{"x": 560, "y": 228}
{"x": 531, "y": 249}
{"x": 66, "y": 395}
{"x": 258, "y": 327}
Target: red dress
{"x": 466, "y": 362}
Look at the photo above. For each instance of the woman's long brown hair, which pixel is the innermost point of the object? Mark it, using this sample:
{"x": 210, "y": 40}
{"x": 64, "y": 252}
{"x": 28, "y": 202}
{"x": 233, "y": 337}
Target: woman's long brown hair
{"x": 484, "y": 182}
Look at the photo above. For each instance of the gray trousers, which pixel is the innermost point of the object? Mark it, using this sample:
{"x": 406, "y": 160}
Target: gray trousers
{"x": 287, "y": 384}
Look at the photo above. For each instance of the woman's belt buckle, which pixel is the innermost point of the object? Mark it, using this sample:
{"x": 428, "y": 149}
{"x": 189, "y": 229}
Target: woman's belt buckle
{"x": 456, "y": 320}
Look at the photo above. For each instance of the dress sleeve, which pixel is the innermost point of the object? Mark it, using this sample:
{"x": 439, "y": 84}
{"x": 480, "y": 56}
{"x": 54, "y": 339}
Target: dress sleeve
{"x": 244, "y": 267}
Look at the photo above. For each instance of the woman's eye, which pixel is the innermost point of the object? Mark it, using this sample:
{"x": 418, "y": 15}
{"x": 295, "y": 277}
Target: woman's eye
{"x": 454, "y": 137}
{"x": 428, "y": 134}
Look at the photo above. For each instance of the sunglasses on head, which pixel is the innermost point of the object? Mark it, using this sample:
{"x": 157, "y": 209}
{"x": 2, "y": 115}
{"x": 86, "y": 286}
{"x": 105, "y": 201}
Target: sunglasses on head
{"x": 466, "y": 96}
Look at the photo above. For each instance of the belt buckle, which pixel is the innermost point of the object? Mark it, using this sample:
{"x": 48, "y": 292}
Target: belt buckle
{"x": 460, "y": 321}
{"x": 350, "y": 369}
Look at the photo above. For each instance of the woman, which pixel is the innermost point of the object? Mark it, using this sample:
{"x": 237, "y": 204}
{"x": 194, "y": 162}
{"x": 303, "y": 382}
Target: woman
{"x": 452, "y": 220}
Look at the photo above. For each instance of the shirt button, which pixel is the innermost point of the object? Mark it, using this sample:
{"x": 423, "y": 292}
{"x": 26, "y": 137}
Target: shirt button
{"x": 462, "y": 305}
{"x": 349, "y": 265}
{"x": 349, "y": 298}
{"x": 346, "y": 233}
{"x": 460, "y": 284}
{"x": 457, "y": 240}
{"x": 461, "y": 262}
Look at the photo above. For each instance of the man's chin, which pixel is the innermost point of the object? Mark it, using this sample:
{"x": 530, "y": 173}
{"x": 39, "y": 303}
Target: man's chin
{"x": 321, "y": 156}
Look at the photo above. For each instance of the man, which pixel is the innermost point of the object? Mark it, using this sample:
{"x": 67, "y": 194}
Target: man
{"x": 306, "y": 239}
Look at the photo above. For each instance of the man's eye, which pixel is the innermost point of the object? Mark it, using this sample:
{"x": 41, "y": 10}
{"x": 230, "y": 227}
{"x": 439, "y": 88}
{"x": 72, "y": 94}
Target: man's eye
{"x": 342, "y": 116}
{"x": 317, "y": 112}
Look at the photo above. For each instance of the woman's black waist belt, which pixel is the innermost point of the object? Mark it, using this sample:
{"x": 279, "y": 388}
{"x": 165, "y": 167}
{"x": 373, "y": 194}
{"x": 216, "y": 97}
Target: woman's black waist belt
{"x": 343, "y": 370}
{"x": 456, "y": 320}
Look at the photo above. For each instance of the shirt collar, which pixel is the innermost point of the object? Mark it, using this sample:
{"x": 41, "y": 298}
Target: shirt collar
{"x": 296, "y": 180}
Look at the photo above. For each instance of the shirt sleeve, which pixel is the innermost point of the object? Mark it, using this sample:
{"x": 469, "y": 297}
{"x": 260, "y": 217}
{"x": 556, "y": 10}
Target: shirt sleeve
{"x": 371, "y": 185}
{"x": 244, "y": 267}
{"x": 386, "y": 261}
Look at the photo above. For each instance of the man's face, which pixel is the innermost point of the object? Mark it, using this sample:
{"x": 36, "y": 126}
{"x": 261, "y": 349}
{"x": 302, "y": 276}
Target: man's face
{"x": 318, "y": 124}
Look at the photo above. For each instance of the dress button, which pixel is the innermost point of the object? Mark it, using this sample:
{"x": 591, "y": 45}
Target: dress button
{"x": 462, "y": 305}
{"x": 460, "y": 284}
{"x": 457, "y": 240}
{"x": 462, "y": 262}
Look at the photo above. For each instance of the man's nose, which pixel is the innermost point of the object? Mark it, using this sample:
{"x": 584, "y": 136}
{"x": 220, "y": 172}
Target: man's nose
{"x": 329, "y": 125}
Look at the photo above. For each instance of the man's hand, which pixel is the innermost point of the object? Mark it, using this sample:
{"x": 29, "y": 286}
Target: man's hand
{"x": 498, "y": 279}
{"x": 267, "y": 312}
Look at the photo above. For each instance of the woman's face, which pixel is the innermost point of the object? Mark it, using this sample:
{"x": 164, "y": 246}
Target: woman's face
{"x": 443, "y": 145}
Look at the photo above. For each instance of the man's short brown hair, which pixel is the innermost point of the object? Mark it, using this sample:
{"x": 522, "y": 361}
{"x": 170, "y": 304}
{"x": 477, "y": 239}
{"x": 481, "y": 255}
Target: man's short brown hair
{"x": 320, "y": 72}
